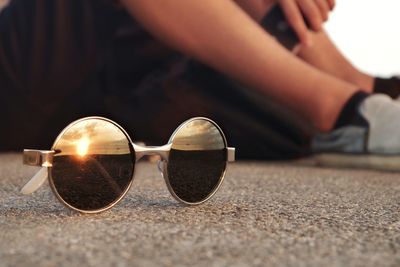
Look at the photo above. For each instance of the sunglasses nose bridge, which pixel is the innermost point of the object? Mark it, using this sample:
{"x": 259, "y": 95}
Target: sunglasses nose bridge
{"x": 162, "y": 151}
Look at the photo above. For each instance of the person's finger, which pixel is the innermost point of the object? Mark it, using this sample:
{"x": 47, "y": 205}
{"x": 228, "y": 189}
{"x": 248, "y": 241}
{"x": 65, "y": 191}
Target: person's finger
{"x": 331, "y": 4}
{"x": 312, "y": 13}
{"x": 295, "y": 19}
{"x": 323, "y": 8}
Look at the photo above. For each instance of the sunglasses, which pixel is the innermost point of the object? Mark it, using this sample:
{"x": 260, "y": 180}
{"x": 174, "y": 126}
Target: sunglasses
{"x": 91, "y": 164}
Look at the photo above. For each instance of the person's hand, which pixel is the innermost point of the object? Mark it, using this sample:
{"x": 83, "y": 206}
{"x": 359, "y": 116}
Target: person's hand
{"x": 314, "y": 11}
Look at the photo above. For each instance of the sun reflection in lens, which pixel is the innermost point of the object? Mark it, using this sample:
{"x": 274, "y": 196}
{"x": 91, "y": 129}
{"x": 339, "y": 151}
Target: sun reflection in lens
{"x": 82, "y": 146}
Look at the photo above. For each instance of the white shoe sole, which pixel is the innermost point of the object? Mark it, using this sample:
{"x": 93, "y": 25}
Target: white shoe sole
{"x": 376, "y": 162}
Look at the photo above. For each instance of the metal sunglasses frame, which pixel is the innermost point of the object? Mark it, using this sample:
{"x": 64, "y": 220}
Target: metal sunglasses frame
{"x": 44, "y": 159}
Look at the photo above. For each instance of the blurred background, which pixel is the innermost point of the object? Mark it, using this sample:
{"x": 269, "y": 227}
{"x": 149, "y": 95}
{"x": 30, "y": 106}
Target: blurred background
{"x": 368, "y": 33}
{"x": 3, "y": 2}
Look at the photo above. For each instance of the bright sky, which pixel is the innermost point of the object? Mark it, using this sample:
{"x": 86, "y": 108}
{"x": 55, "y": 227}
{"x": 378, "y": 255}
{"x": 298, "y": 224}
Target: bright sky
{"x": 198, "y": 135}
{"x": 368, "y": 33}
{"x": 93, "y": 136}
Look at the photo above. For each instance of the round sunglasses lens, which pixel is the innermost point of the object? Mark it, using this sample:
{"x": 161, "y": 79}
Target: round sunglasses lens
{"x": 93, "y": 165}
{"x": 197, "y": 160}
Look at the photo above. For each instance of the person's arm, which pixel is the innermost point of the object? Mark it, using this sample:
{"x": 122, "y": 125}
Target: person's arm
{"x": 223, "y": 36}
{"x": 315, "y": 12}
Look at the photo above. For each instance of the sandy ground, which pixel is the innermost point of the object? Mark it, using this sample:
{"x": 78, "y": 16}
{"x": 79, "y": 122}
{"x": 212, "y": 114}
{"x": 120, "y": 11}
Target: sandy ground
{"x": 265, "y": 214}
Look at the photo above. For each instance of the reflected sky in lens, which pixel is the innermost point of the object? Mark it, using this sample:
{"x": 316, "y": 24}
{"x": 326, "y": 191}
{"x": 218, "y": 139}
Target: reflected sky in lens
{"x": 93, "y": 136}
{"x": 198, "y": 134}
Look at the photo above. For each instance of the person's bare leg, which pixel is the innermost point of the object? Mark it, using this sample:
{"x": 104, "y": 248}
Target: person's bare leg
{"x": 325, "y": 56}
{"x": 223, "y": 36}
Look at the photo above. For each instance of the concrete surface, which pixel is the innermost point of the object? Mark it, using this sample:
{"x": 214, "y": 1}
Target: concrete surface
{"x": 264, "y": 215}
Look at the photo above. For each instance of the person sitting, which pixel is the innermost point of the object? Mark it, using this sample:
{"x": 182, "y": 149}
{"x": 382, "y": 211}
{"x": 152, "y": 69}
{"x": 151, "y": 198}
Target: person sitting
{"x": 151, "y": 64}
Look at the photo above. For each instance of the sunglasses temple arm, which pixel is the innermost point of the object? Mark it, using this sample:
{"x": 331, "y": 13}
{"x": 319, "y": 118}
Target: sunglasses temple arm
{"x": 39, "y": 158}
{"x": 36, "y": 182}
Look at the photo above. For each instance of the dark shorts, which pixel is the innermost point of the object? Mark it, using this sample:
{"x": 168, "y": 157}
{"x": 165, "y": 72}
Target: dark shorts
{"x": 65, "y": 59}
